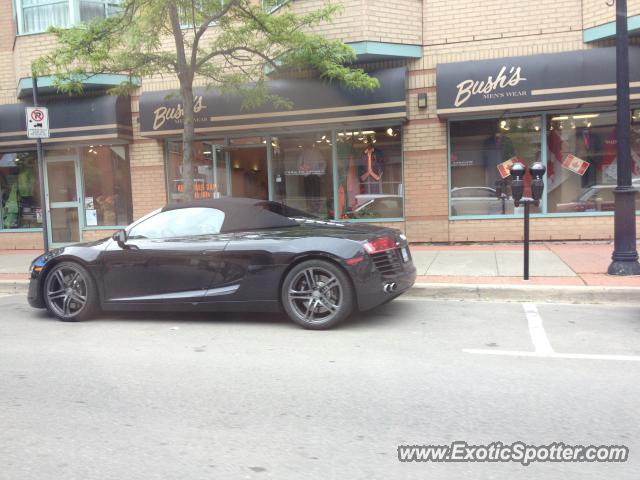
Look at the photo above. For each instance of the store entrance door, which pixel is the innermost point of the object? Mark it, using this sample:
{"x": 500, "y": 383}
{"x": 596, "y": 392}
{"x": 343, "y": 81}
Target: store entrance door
{"x": 248, "y": 172}
{"x": 62, "y": 184}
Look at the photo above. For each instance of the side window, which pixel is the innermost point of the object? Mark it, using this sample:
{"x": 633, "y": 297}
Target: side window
{"x": 182, "y": 222}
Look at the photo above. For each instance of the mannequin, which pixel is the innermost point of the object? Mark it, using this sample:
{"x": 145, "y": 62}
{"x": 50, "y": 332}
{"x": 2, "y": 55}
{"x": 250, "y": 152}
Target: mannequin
{"x": 312, "y": 166}
{"x": 371, "y": 169}
{"x": 496, "y": 149}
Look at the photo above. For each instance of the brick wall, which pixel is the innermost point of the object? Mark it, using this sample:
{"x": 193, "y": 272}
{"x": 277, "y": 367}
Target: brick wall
{"x": 399, "y": 21}
{"x": 597, "y": 12}
{"x": 447, "y": 22}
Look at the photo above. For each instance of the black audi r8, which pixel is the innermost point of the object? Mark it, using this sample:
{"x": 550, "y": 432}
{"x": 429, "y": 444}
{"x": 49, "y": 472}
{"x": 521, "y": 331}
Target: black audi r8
{"x": 228, "y": 254}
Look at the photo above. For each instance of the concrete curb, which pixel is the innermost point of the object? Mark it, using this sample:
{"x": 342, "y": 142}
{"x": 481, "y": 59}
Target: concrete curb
{"x": 478, "y": 292}
{"x": 527, "y": 293}
{"x": 8, "y": 287}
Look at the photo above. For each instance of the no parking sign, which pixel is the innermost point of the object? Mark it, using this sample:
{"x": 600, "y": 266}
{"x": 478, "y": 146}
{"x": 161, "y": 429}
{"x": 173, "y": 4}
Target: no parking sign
{"x": 37, "y": 122}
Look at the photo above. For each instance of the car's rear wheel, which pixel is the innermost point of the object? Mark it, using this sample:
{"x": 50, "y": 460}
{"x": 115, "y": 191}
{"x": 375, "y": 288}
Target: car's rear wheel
{"x": 317, "y": 294}
{"x": 70, "y": 293}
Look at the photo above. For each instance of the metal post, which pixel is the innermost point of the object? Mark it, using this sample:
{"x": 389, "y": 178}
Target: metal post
{"x": 625, "y": 254}
{"x": 527, "y": 203}
{"x": 40, "y": 154}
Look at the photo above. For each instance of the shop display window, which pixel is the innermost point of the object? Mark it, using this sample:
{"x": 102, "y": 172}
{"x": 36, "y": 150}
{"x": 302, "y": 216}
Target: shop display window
{"x": 582, "y": 161}
{"x": 207, "y": 181}
{"x": 368, "y": 162}
{"x": 19, "y": 191}
{"x": 107, "y": 185}
{"x": 370, "y": 182}
{"x": 302, "y": 169}
{"x": 482, "y": 152}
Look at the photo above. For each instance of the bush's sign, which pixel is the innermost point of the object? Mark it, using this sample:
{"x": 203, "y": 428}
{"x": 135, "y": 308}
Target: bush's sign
{"x": 497, "y": 87}
{"x": 314, "y": 102}
{"x": 534, "y": 82}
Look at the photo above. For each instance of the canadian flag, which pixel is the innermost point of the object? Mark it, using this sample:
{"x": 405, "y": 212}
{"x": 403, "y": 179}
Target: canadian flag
{"x": 575, "y": 164}
{"x": 504, "y": 168}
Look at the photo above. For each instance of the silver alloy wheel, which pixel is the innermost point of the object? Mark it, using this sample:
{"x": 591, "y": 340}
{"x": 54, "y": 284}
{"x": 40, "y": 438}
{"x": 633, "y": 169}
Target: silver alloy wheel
{"x": 66, "y": 290}
{"x": 315, "y": 295}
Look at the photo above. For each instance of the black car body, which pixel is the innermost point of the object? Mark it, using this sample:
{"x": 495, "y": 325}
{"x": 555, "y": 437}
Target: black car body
{"x": 235, "y": 269}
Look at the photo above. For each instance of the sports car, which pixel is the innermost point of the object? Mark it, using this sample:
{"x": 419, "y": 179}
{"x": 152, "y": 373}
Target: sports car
{"x": 228, "y": 254}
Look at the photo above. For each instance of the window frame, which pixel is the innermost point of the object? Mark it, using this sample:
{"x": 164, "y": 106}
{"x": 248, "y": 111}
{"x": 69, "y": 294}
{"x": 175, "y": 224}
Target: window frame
{"x": 72, "y": 5}
{"x": 543, "y": 158}
{"x": 273, "y": 8}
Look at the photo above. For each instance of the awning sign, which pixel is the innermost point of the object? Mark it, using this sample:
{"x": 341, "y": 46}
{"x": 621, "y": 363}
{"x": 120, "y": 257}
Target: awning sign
{"x": 575, "y": 164}
{"x": 37, "y": 122}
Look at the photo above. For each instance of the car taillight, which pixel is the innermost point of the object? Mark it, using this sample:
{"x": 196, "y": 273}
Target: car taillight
{"x": 380, "y": 245}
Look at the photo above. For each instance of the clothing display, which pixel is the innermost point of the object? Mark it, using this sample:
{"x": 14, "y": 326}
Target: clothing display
{"x": 609, "y": 166}
{"x": 312, "y": 166}
{"x": 349, "y": 181}
{"x": 311, "y": 162}
{"x": 17, "y": 202}
{"x": 496, "y": 149}
{"x": 554, "y": 145}
{"x": 588, "y": 148}
{"x": 371, "y": 170}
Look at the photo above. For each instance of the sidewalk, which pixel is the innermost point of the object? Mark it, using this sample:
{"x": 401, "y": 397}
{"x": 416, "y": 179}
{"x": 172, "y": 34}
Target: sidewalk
{"x": 572, "y": 263}
{"x": 563, "y": 272}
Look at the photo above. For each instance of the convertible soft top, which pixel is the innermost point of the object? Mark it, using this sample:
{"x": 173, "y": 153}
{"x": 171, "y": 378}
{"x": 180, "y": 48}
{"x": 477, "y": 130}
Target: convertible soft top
{"x": 245, "y": 213}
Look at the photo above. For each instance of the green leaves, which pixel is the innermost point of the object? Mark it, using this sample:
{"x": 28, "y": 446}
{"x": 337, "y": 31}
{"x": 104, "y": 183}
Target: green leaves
{"x": 227, "y": 44}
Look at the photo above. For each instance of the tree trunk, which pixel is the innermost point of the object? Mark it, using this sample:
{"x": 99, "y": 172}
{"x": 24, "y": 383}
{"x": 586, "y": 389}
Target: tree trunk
{"x": 188, "y": 132}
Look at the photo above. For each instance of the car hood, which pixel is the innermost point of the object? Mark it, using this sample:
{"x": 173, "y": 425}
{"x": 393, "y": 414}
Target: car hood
{"x": 87, "y": 251}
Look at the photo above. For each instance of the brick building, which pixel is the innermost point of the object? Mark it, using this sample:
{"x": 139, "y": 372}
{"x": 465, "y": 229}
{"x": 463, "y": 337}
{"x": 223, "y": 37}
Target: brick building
{"x": 466, "y": 86}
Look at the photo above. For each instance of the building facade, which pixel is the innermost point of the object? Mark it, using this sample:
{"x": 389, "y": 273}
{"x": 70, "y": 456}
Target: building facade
{"x": 467, "y": 88}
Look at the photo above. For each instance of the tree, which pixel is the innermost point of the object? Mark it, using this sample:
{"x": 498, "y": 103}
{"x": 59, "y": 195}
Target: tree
{"x": 229, "y": 44}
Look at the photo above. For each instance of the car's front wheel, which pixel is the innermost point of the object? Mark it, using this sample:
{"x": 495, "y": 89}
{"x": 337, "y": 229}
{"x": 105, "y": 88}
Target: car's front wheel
{"x": 317, "y": 294}
{"x": 70, "y": 293}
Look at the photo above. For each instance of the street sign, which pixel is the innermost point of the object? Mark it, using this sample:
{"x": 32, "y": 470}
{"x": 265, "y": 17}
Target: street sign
{"x": 37, "y": 122}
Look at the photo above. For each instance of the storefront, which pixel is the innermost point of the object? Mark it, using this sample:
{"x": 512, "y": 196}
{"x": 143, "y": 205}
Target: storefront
{"x": 337, "y": 153}
{"x": 554, "y": 108}
{"x": 86, "y": 167}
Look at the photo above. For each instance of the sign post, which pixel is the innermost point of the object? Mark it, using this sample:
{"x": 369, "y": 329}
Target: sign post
{"x": 38, "y": 128}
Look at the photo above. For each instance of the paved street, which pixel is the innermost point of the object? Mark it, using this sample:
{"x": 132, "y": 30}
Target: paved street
{"x": 167, "y": 396}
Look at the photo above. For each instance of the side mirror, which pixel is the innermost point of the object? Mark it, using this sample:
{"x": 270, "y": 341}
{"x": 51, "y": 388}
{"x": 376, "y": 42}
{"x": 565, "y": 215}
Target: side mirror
{"x": 121, "y": 238}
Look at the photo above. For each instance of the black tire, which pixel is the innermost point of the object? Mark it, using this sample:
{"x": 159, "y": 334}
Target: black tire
{"x": 65, "y": 288}
{"x": 326, "y": 302}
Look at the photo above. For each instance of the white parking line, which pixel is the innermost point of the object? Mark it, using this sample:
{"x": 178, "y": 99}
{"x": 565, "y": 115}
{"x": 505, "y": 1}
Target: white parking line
{"x": 579, "y": 356}
{"x": 542, "y": 346}
{"x": 536, "y": 330}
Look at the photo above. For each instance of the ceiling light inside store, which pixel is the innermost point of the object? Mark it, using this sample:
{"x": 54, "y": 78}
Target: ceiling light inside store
{"x": 537, "y": 128}
{"x": 590, "y": 115}
{"x": 557, "y": 119}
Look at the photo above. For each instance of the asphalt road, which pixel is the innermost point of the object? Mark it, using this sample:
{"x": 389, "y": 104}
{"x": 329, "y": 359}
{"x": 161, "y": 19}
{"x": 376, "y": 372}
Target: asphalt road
{"x": 177, "y": 396}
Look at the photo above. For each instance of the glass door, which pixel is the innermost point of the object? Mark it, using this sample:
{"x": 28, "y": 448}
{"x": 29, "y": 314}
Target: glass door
{"x": 221, "y": 172}
{"x": 247, "y": 171}
{"x": 62, "y": 184}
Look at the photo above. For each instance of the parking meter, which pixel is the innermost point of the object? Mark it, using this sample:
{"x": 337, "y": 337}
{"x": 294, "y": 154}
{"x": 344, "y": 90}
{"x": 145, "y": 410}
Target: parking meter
{"x": 537, "y": 184}
{"x": 517, "y": 183}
